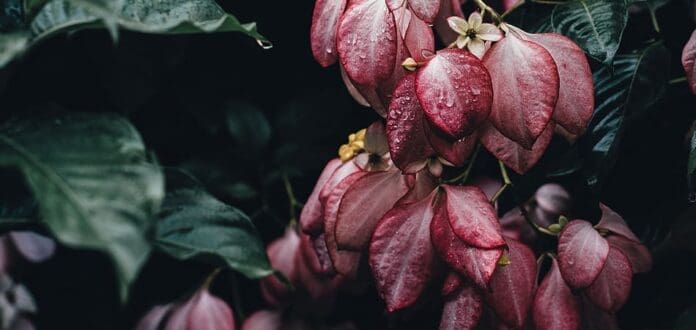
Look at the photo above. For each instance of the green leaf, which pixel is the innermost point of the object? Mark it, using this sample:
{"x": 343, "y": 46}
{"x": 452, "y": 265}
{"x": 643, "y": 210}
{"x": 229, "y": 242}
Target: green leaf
{"x": 639, "y": 80}
{"x": 11, "y": 45}
{"x": 195, "y": 225}
{"x": 595, "y": 25}
{"x": 248, "y": 127}
{"x": 92, "y": 180}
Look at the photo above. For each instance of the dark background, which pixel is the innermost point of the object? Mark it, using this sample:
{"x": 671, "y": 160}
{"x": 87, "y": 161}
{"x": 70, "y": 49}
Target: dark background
{"x": 180, "y": 91}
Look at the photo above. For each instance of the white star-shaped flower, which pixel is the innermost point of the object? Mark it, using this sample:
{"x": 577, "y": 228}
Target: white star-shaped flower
{"x": 474, "y": 33}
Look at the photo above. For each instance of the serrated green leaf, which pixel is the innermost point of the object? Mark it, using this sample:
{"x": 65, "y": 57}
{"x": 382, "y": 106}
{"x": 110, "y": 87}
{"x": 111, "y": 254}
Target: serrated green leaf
{"x": 195, "y": 225}
{"x": 595, "y": 25}
{"x": 92, "y": 180}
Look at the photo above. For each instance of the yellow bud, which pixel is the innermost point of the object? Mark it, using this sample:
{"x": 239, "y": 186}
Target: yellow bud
{"x": 358, "y": 144}
{"x": 504, "y": 260}
{"x": 346, "y": 152}
{"x": 360, "y": 135}
{"x": 351, "y": 137}
{"x": 555, "y": 228}
{"x": 410, "y": 64}
{"x": 562, "y": 221}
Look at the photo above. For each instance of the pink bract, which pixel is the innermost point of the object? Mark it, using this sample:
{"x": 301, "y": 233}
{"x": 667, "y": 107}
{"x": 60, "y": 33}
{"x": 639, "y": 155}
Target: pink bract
{"x": 311, "y": 219}
{"x": 582, "y": 253}
{"x": 555, "y": 306}
{"x": 203, "y": 311}
{"x": 472, "y": 217}
{"x": 688, "y": 60}
{"x": 512, "y": 154}
{"x": 462, "y": 310}
{"x": 324, "y": 27}
{"x": 613, "y": 285}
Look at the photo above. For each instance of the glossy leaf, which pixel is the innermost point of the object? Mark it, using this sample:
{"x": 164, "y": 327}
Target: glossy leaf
{"x": 325, "y": 19}
{"x": 525, "y": 88}
{"x": 97, "y": 193}
{"x": 582, "y": 253}
{"x": 512, "y": 154}
{"x": 613, "y": 285}
{"x": 462, "y": 311}
{"x": 688, "y": 60}
{"x": 555, "y": 306}
{"x": 455, "y": 92}
{"x": 311, "y": 219}
{"x": 402, "y": 257}
{"x": 472, "y": 217}
{"x": 596, "y": 25}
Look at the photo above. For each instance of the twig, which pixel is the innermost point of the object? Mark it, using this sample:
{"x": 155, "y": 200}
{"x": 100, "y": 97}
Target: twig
{"x": 465, "y": 175}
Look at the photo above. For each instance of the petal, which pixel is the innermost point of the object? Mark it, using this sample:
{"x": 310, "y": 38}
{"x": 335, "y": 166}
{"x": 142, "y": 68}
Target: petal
{"x": 153, "y": 318}
{"x": 688, "y": 60}
{"x": 472, "y": 217}
{"x": 637, "y": 253}
{"x": 419, "y": 39}
{"x": 462, "y": 311}
{"x": 458, "y": 24}
{"x": 367, "y": 42}
{"x": 325, "y": 18}
{"x": 425, "y": 9}
{"x": 512, "y": 286}
{"x": 364, "y": 204}
{"x": 462, "y": 41}
{"x": 553, "y": 291}
{"x": 474, "y": 263}
{"x": 32, "y": 246}
{"x": 342, "y": 172}
{"x": 401, "y": 254}
{"x": 511, "y": 153}
{"x": 582, "y": 253}
{"x": 614, "y": 223}
{"x": 316, "y": 255}
{"x": 489, "y": 32}
{"x": 352, "y": 89}
{"x": 457, "y": 152}
{"x": 319, "y": 285}
{"x": 477, "y": 47}
{"x": 455, "y": 92}
{"x": 475, "y": 20}
{"x": 525, "y": 88}
{"x": 311, "y": 220}
{"x": 612, "y": 287}
{"x": 203, "y": 311}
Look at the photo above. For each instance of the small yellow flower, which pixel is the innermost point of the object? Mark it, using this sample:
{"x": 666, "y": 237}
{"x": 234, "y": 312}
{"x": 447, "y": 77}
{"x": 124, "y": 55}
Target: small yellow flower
{"x": 474, "y": 33}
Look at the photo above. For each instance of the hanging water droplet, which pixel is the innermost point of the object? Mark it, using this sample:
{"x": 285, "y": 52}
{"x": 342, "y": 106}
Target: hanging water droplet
{"x": 265, "y": 44}
{"x": 692, "y": 197}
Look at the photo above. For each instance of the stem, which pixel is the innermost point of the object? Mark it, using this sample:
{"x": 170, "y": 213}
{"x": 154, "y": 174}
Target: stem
{"x": 209, "y": 280}
{"x": 506, "y": 182}
{"x": 677, "y": 80}
{"x": 485, "y": 7}
{"x": 465, "y": 175}
{"x": 515, "y": 6}
{"x": 531, "y": 222}
{"x": 292, "y": 201}
{"x": 548, "y": 2}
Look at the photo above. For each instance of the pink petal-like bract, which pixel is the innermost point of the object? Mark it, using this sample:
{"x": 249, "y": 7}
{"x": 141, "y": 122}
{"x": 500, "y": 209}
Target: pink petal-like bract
{"x": 419, "y": 39}
{"x": 525, "y": 88}
{"x": 613, "y": 285}
{"x": 320, "y": 284}
{"x": 582, "y": 253}
{"x": 472, "y": 216}
{"x": 264, "y": 320}
{"x": 552, "y": 198}
{"x": 474, "y": 263}
{"x": 324, "y": 27}
{"x": 32, "y": 246}
{"x": 594, "y": 318}
{"x": 408, "y": 145}
{"x": 281, "y": 254}
{"x": 614, "y": 223}
{"x": 688, "y": 60}
{"x": 425, "y": 9}
{"x": 367, "y": 44}
{"x": 316, "y": 254}
{"x": 353, "y": 90}
{"x": 447, "y": 8}
{"x": 576, "y": 89}
{"x": 202, "y": 312}
{"x": 639, "y": 255}
{"x": 455, "y": 91}
{"x": 401, "y": 254}
{"x": 512, "y": 286}
{"x": 452, "y": 283}
{"x": 153, "y": 318}
{"x": 462, "y": 311}
{"x": 555, "y": 306}
{"x": 457, "y": 152}
{"x": 511, "y": 153}
{"x": 311, "y": 220}
{"x": 364, "y": 203}
{"x": 423, "y": 184}
{"x": 342, "y": 172}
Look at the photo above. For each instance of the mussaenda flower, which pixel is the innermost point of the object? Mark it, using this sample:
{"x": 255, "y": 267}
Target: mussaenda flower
{"x": 474, "y": 33}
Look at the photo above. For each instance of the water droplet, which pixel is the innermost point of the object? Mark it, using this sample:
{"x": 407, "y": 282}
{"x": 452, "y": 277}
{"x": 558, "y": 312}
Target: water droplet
{"x": 265, "y": 44}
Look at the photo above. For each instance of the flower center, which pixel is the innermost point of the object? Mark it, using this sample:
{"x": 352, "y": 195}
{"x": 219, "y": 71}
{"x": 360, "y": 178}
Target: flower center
{"x": 471, "y": 33}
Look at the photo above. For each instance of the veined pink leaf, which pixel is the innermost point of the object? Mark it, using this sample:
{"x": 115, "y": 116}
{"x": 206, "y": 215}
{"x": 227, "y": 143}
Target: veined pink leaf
{"x": 582, "y": 253}
{"x": 316, "y": 255}
{"x": 311, "y": 220}
{"x": 594, "y": 318}
{"x": 512, "y": 286}
{"x": 613, "y": 285}
{"x": 455, "y": 91}
{"x": 318, "y": 285}
{"x": 457, "y": 152}
{"x": 688, "y": 60}
{"x": 453, "y": 282}
{"x": 614, "y": 223}
{"x": 637, "y": 253}
{"x": 401, "y": 254}
{"x": 555, "y": 306}
{"x": 474, "y": 263}
{"x": 341, "y": 172}
{"x": 364, "y": 203}
{"x": 153, "y": 318}
{"x": 525, "y": 88}
{"x": 386, "y": 87}
{"x": 472, "y": 217}
{"x": 511, "y": 153}
{"x": 367, "y": 42}
{"x": 281, "y": 254}
{"x": 324, "y": 27}
{"x": 419, "y": 38}
{"x": 345, "y": 262}
{"x": 576, "y": 89}
{"x": 352, "y": 89}
{"x": 202, "y": 312}
{"x": 408, "y": 145}
{"x": 425, "y": 9}
{"x": 462, "y": 311}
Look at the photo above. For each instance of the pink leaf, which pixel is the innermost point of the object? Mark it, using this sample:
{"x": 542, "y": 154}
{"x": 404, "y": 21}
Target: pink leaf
{"x": 614, "y": 223}
{"x": 324, "y": 27}
{"x": 511, "y": 153}
{"x": 311, "y": 219}
{"x": 525, "y": 88}
{"x": 408, "y": 145}
{"x": 202, "y": 312}
{"x": 613, "y": 285}
{"x": 512, "y": 286}
{"x": 457, "y": 152}
{"x": 514, "y": 225}
{"x": 32, "y": 246}
{"x": 425, "y": 9}
{"x": 582, "y": 253}
{"x": 474, "y": 263}
{"x": 472, "y": 216}
{"x": 447, "y": 8}
{"x": 153, "y": 318}
{"x": 423, "y": 185}
{"x": 453, "y": 282}
{"x": 688, "y": 60}
{"x": 419, "y": 38}
{"x": 281, "y": 253}
{"x": 555, "y": 306}
{"x": 367, "y": 42}
{"x": 342, "y": 172}
{"x": 594, "y": 318}
{"x": 455, "y": 92}
{"x": 352, "y": 89}
{"x": 316, "y": 254}
{"x": 364, "y": 203}
{"x": 401, "y": 254}
{"x": 462, "y": 311}
{"x": 637, "y": 253}
{"x": 576, "y": 89}
{"x": 319, "y": 284}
